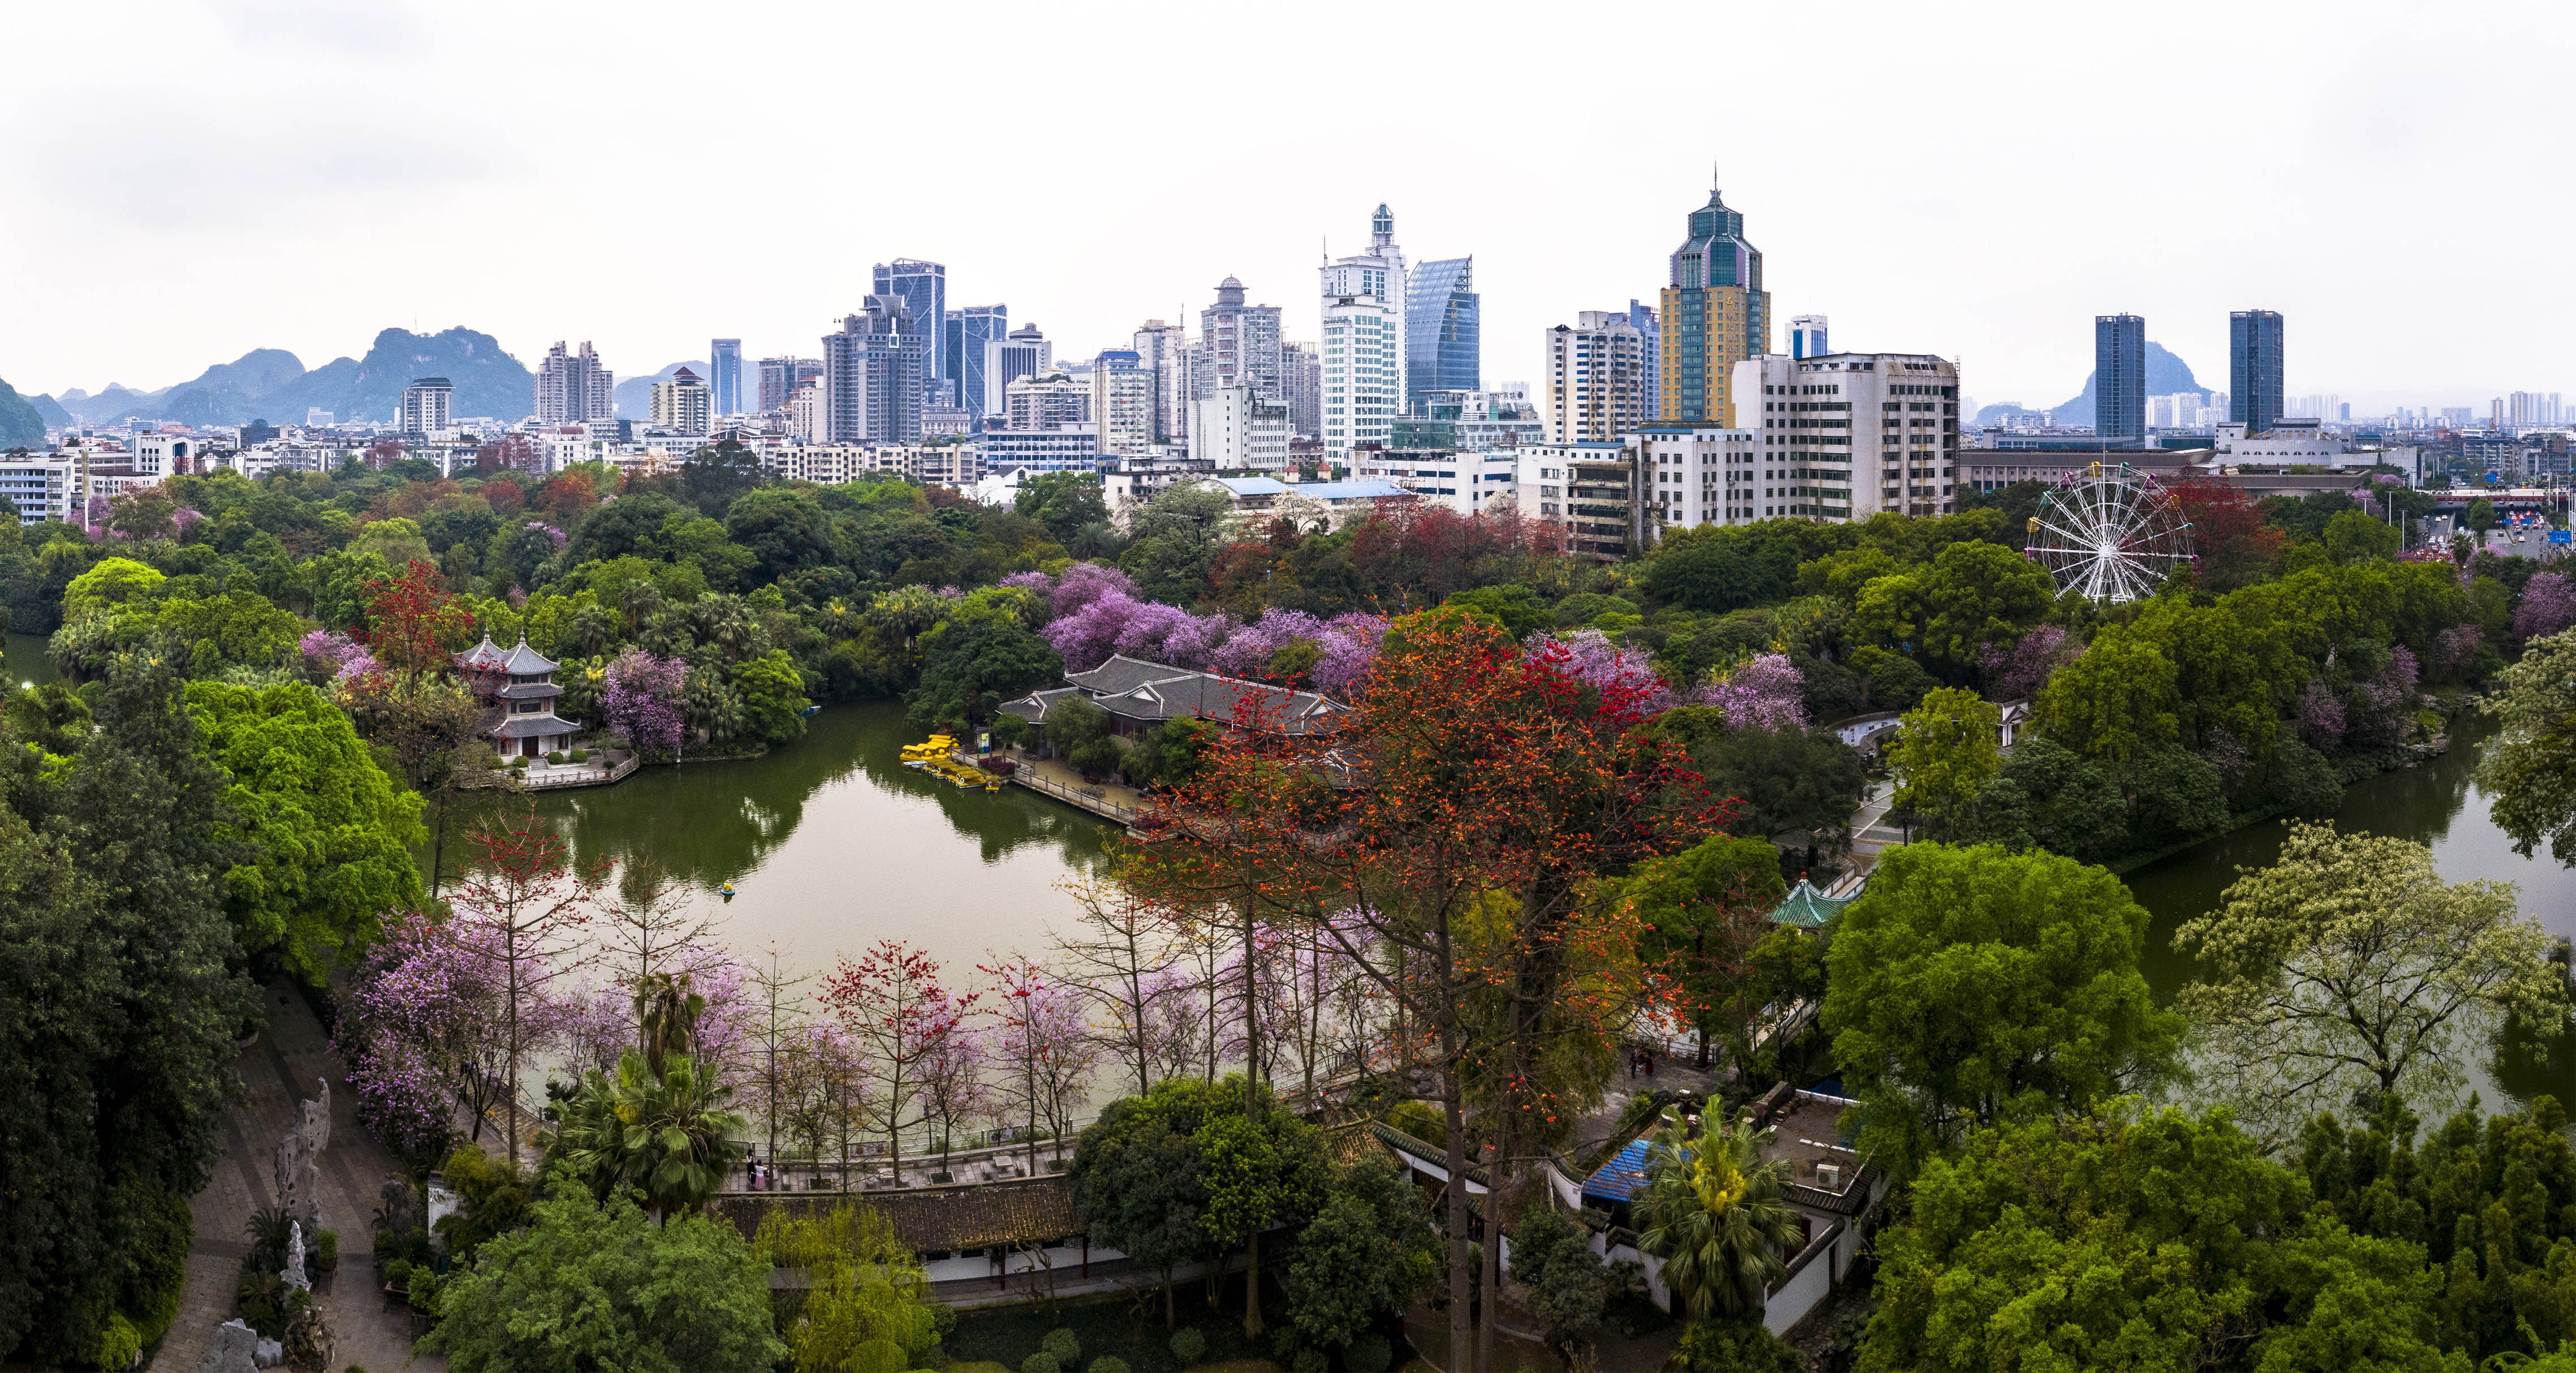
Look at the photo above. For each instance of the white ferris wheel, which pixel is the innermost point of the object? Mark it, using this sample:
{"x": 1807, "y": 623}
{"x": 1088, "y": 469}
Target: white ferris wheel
{"x": 2112, "y": 534}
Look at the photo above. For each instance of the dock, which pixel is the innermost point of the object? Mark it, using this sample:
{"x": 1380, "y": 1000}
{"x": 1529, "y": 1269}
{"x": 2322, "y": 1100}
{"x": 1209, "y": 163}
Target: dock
{"x": 1064, "y": 784}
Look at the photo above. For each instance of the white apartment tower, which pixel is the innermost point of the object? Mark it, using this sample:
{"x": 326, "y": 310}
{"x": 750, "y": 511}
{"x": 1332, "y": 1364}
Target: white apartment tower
{"x": 1026, "y": 353}
{"x": 1163, "y": 353}
{"x": 1596, "y": 378}
{"x": 684, "y": 404}
{"x": 872, "y": 371}
{"x": 1238, "y": 345}
{"x": 573, "y": 387}
{"x": 1241, "y": 430}
{"x": 424, "y": 406}
{"x": 1122, "y": 400}
{"x": 1363, "y": 390}
{"x": 1847, "y": 435}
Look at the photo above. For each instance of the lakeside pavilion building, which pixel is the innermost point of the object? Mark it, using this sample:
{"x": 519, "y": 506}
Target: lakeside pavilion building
{"x": 518, "y": 687}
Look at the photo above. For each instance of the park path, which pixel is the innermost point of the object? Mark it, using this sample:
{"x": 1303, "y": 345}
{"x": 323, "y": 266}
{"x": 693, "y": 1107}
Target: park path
{"x": 278, "y": 1069}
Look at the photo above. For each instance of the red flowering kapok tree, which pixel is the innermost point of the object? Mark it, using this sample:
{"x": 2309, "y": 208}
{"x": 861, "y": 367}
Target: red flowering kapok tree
{"x": 1454, "y": 823}
{"x": 892, "y": 1000}
{"x": 413, "y": 623}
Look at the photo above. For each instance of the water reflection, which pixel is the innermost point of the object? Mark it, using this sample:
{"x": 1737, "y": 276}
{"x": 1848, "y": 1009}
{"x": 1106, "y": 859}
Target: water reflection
{"x": 832, "y": 844}
{"x": 2437, "y": 802}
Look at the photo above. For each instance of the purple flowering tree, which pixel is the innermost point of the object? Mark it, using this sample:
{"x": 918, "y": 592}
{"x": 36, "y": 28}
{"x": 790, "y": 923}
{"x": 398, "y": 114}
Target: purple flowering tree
{"x": 2548, "y": 606}
{"x": 1589, "y": 657}
{"x": 1349, "y": 645}
{"x": 1248, "y": 650}
{"x": 331, "y": 654}
{"x": 639, "y": 697}
{"x": 2320, "y": 718}
{"x": 1765, "y": 692}
{"x": 2457, "y": 646}
{"x": 1084, "y": 583}
{"x": 425, "y": 1035}
{"x": 2017, "y": 673}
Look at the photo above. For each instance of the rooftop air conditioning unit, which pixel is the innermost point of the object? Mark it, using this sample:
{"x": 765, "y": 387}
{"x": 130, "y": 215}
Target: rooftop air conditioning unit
{"x": 1829, "y": 1176}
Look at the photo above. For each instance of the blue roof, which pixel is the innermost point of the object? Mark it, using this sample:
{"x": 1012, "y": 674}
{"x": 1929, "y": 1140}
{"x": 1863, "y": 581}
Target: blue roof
{"x": 1351, "y": 491}
{"x": 1622, "y": 1178}
{"x": 1253, "y": 486}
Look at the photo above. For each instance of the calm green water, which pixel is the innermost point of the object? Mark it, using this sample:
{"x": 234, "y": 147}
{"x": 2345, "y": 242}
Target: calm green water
{"x": 2435, "y": 803}
{"x": 25, "y": 658}
{"x": 832, "y": 845}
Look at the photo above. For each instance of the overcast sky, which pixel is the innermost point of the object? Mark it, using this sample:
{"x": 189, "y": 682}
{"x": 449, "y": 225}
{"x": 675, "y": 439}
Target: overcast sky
{"x": 187, "y": 182}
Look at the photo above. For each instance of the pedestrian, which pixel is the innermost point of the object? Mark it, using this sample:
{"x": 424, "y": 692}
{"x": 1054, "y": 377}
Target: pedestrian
{"x": 1632, "y": 1063}
{"x": 1649, "y": 1056}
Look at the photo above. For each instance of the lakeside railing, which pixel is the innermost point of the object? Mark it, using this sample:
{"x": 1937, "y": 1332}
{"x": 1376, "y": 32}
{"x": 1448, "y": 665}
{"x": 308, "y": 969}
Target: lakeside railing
{"x": 1089, "y": 798}
{"x": 576, "y": 776}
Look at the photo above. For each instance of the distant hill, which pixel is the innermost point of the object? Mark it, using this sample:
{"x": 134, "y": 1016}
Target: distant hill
{"x": 635, "y": 394}
{"x": 272, "y": 384}
{"x": 2166, "y": 374}
{"x": 20, "y": 425}
{"x": 51, "y": 412}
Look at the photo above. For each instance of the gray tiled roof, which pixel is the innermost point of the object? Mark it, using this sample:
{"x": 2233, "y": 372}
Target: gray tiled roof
{"x": 1140, "y": 690}
{"x": 531, "y": 727}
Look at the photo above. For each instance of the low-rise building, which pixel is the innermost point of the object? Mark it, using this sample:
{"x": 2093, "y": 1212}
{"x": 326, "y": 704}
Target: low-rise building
{"x": 1588, "y": 489}
{"x": 1064, "y": 448}
{"x": 1139, "y": 695}
{"x": 1847, "y": 435}
{"x": 1315, "y": 507}
{"x": 1463, "y": 482}
{"x": 42, "y": 486}
{"x": 1240, "y": 431}
{"x": 517, "y": 687}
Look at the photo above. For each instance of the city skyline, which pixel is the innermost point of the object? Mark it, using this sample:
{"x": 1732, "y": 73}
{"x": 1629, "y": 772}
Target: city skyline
{"x": 137, "y": 197}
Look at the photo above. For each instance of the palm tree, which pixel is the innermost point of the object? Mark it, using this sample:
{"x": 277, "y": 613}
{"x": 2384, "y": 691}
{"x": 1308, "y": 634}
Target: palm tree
{"x": 667, "y": 1134}
{"x": 1712, "y": 1212}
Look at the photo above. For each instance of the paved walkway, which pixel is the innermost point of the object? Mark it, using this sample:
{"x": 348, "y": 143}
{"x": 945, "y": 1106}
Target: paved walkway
{"x": 279, "y": 1069}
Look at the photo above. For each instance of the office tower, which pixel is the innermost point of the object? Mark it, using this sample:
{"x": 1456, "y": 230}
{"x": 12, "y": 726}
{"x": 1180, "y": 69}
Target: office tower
{"x": 724, "y": 360}
{"x": 1441, "y": 347}
{"x": 923, "y": 288}
{"x": 1301, "y": 384}
{"x": 780, "y": 377}
{"x": 684, "y": 405}
{"x": 872, "y": 376}
{"x": 424, "y": 406}
{"x": 2120, "y": 376}
{"x": 1807, "y": 336}
{"x": 2254, "y": 369}
{"x": 1715, "y": 313}
{"x": 1817, "y": 457}
{"x": 1595, "y": 389}
{"x": 1122, "y": 400}
{"x": 1364, "y": 342}
{"x": 573, "y": 387}
{"x": 1025, "y": 353}
{"x": 1163, "y": 352}
{"x": 1238, "y": 345}
{"x": 1240, "y": 430}
{"x": 967, "y": 331}
{"x": 1650, "y": 354}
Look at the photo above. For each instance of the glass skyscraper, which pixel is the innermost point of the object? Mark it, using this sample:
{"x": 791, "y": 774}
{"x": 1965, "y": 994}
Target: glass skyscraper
{"x": 724, "y": 359}
{"x": 923, "y": 287}
{"x": 2254, "y": 369}
{"x": 2120, "y": 376}
{"x": 963, "y": 338}
{"x": 1441, "y": 349}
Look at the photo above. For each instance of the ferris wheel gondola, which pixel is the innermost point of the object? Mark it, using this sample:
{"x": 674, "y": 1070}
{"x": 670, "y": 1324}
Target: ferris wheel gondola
{"x": 2111, "y": 534}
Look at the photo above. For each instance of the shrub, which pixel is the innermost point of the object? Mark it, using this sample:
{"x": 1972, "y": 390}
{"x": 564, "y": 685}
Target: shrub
{"x": 519, "y": 760}
{"x": 1188, "y": 1345}
{"x": 555, "y": 756}
{"x": 119, "y": 1342}
{"x": 1310, "y": 1360}
{"x": 326, "y": 1250}
{"x": 579, "y": 755}
{"x": 1065, "y": 1345}
{"x": 1109, "y": 1363}
{"x": 1040, "y": 1362}
{"x": 1369, "y": 1354}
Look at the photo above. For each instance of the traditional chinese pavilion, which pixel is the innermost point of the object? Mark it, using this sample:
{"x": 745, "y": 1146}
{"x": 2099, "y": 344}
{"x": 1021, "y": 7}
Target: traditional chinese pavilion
{"x": 518, "y": 686}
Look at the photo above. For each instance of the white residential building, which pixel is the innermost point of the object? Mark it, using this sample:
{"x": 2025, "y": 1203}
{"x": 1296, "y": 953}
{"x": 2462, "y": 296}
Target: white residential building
{"x": 1059, "y": 448}
{"x": 1847, "y": 435}
{"x": 2303, "y": 441}
{"x": 1045, "y": 401}
{"x": 1461, "y": 481}
{"x": 1596, "y": 378}
{"x": 684, "y": 404}
{"x": 1026, "y": 353}
{"x": 1163, "y": 354}
{"x": 1363, "y": 363}
{"x": 1122, "y": 402}
{"x": 1238, "y": 345}
{"x": 1240, "y": 430}
{"x": 572, "y": 387}
{"x": 41, "y": 486}
{"x": 425, "y": 407}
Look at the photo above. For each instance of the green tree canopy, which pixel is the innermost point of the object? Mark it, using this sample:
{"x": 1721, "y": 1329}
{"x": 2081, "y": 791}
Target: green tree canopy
{"x": 970, "y": 666}
{"x": 1945, "y": 752}
{"x": 1065, "y": 502}
{"x": 1972, "y": 985}
{"x": 597, "y": 1284}
{"x": 2117, "y": 699}
{"x": 2530, "y": 766}
{"x": 1366, "y": 1255}
{"x": 330, "y": 835}
{"x": 1784, "y": 779}
{"x": 1704, "y": 909}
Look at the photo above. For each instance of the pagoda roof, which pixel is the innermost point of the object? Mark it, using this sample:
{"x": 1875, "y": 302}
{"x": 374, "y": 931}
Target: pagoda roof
{"x": 1807, "y": 908}
{"x": 518, "y": 661}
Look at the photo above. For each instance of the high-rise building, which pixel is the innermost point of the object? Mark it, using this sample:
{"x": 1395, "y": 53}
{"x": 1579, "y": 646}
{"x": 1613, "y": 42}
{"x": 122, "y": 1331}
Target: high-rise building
{"x": 1818, "y": 455}
{"x": 424, "y": 406}
{"x": 923, "y": 288}
{"x": 1442, "y": 351}
{"x": 1122, "y": 400}
{"x": 872, "y": 369}
{"x": 573, "y": 387}
{"x": 1807, "y": 336}
{"x": 968, "y": 331}
{"x": 1715, "y": 313}
{"x": 2254, "y": 369}
{"x": 1301, "y": 384}
{"x": 1163, "y": 351}
{"x": 2119, "y": 376}
{"x": 1364, "y": 298}
{"x": 1650, "y": 354}
{"x": 1238, "y": 345}
{"x": 780, "y": 377}
{"x": 684, "y": 405}
{"x": 724, "y": 360}
{"x": 1240, "y": 430}
{"x": 1049, "y": 400}
{"x": 1595, "y": 388}
{"x": 1025, "y": 353}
